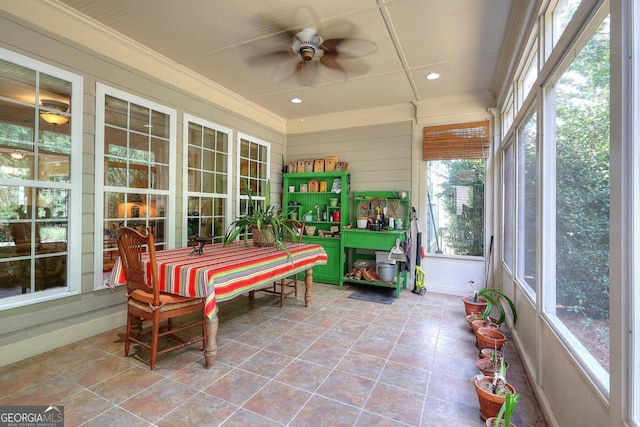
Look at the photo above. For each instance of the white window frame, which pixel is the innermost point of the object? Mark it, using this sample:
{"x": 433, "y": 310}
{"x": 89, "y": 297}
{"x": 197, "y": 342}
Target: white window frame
{"x": 188, "y": 118}
{"x": 102, "y": 91}
{"x": 74, "y": 221}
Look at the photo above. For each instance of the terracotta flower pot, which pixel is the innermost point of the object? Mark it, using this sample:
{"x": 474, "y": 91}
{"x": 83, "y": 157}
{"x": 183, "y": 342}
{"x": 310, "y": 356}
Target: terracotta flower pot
{"x": 489, "y": 422}
{"x": 487, "y": 366}
{"x": 481, "y": 323}
{"x": 489, "y": 338}
{"x": 489, "y": 403}
{"x": 489, "y": 352}
{"x": 474, "y": 307}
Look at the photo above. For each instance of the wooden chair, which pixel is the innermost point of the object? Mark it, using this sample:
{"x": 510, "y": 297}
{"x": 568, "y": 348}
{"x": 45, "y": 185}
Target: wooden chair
{"x": 146, "y": 302}
{"x": 288, "y": 285}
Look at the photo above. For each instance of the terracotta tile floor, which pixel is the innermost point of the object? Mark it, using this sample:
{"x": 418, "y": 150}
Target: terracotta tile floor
{"x": 342, "y": 362}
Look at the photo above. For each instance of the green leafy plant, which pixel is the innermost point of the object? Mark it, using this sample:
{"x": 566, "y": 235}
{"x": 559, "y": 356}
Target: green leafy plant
{"x": 506, "y": 410}
{"x": 269, "y": 219}
{"x": 494, "y": 298}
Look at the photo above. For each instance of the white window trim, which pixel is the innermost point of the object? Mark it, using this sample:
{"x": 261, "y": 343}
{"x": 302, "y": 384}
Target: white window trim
{"x": 74, "y": 222}
{"x": 186, "y": 119}
{"x": 101, "y": 92}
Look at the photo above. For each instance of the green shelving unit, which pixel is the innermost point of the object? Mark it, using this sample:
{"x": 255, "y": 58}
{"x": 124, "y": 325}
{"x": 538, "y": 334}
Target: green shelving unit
{"x": 362, "y": 243}
{"x": 301, "y": 201}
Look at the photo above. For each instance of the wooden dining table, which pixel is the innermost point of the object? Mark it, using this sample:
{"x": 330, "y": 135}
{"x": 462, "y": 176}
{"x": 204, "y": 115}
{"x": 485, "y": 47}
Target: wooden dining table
{"x": 221, "y": 273}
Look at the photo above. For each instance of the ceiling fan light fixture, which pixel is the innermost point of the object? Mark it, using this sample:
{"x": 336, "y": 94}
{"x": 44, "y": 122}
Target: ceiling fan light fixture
{"x": 53, "y": 117}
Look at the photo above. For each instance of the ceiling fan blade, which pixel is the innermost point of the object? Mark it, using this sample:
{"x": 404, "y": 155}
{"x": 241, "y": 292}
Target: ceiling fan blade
{"x": 286, "y": 70}
{"x": 269, "y": 59}
{"x": 346, "y": 48}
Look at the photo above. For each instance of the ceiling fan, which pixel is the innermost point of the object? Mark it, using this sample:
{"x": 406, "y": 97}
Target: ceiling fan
{"x": 334, "y": 59}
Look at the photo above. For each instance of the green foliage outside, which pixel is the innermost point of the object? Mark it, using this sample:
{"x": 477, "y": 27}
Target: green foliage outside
{"x": 582, "y": 181}
{"x": 464, "y": 230}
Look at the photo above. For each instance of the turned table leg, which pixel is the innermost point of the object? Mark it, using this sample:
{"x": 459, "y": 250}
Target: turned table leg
{"x": 308, "y": 280}
{"x": 211, "y": 349}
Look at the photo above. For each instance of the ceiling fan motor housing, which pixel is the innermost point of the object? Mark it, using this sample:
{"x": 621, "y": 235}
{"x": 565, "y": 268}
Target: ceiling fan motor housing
{"x": 306, "y": 44}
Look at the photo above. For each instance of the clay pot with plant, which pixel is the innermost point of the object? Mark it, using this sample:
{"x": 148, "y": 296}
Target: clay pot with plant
{"x": 492, "y": 391}
{"x": 489, "y": 338}
{"x": 504, "y": 415}
{"x": 491, "y": 299}
{"x": 489, "y": 367}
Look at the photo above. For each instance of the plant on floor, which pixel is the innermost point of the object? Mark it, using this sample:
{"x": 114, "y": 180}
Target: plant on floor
{"x": 266, "y": 224}
{"x": 492, "y": 391}
{"x": 506, "y": 410}
{"x": 494, "y": 298}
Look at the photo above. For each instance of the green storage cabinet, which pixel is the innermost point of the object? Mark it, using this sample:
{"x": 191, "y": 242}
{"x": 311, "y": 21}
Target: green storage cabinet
{"x": 303, "y": 200}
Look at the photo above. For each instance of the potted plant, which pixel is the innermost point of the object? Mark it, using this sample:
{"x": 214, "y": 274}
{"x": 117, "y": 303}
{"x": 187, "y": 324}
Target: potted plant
{"x": 504, "y": 415}
{"x": 492, "y": 391}
{"x": 485, "y": 300}
{"x": 474, "y": 303}
{"x": 490, "y": 338}
{"x": 490, "y": 365}
{"x": 266, "y": 224}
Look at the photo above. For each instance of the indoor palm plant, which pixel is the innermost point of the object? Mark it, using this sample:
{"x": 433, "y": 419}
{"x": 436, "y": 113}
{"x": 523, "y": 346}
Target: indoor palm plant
{"x": 267, "y": 224}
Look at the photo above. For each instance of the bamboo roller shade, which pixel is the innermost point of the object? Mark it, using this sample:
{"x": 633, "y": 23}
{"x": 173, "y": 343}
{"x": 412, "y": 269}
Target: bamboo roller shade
{"x": 456, "y": 141}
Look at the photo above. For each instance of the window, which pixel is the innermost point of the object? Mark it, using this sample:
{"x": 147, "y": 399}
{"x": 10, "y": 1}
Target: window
{"x": 135, "y": 170}
{"x": 40, "y": 180}
{"x": 253, "y": 171}
{"x": 456, "y": 207}
{"x": 527, "y": 205}
{"x": 508, "y": 204}
{"x": 455, "y": 156}
{"x": 582, "y": 135}
{"x": 207, "y": 180}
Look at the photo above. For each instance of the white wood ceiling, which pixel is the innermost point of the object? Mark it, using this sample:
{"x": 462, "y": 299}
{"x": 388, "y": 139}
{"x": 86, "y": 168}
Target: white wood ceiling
{"x": 459, "y": 39}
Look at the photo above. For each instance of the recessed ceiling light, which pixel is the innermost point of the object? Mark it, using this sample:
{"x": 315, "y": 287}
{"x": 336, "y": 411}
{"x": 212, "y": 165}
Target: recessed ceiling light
{"x": 296, "y": 100}
{"x": 432, "y": 76}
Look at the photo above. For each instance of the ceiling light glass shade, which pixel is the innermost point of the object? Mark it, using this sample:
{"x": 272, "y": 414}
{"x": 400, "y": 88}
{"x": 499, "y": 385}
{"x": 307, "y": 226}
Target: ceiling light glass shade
{"x": 18, "y": 155}
{"x": 54, "y": 118}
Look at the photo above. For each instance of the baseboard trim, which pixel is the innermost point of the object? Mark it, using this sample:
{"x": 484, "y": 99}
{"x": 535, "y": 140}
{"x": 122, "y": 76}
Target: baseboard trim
{"x": 30, "y": 347}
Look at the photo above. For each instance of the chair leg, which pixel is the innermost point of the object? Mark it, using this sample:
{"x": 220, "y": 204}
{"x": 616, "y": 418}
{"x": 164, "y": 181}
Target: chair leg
{"x": 283, "y": 289}
{"x": 155, "y": 330}
{"x": 127, "y": 334}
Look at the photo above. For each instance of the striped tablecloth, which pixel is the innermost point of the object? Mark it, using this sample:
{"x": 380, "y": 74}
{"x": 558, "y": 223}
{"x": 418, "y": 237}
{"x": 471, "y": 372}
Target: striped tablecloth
{"x": 224, "y": 272}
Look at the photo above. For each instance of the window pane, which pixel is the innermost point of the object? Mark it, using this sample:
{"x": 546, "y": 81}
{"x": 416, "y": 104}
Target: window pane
{"x": 34, "y": 147}
{"x": 204, "y": 171}
{"x": 527, "y": 204}
{"x": 508, "y": 180}
{"x": 456, "y": 207}
{"x": 582, "y": 196}
{"x": 562, "y": 14}
{"x": 136, "y": 161}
